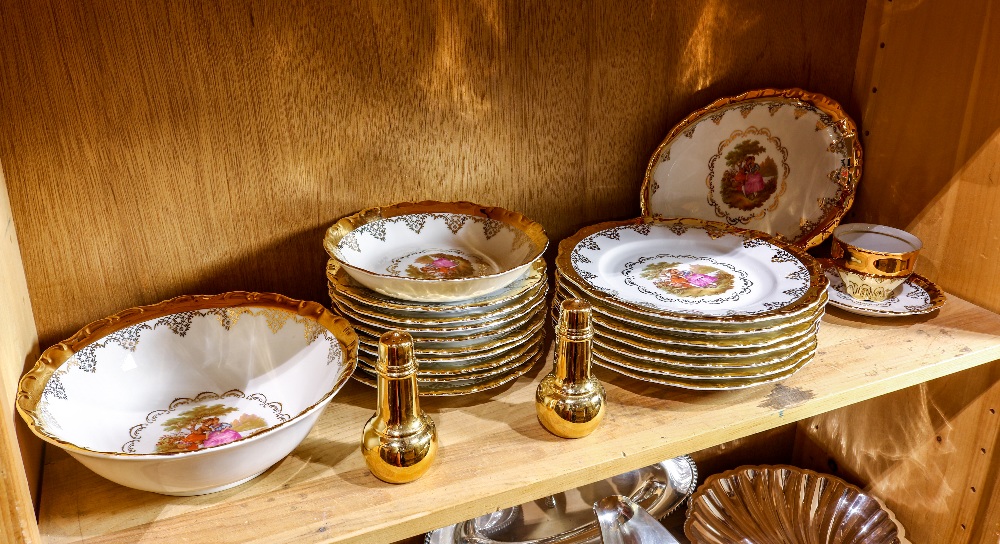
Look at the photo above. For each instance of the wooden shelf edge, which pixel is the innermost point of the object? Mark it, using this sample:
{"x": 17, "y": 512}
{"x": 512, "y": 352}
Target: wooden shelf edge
{"x": 495, "y": 455}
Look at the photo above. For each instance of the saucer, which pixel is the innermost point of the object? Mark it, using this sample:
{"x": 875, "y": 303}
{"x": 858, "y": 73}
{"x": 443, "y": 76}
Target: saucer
{"x": 917, "y": 295}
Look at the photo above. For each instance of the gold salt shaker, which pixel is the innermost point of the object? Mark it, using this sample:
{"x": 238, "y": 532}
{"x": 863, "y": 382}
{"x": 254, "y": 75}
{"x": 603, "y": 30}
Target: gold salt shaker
{"x": 569, "y": 401}
{"x": 399, "y": 442}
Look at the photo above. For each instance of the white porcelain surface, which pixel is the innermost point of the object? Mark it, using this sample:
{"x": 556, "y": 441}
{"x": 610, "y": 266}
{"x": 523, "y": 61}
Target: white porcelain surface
{"x": 193, "y": 402}
{"x": 697, "y": 272}
{"x": 412, "y": 256}
{"x": 776, "y": 165}
{"x": 878, "y": 238}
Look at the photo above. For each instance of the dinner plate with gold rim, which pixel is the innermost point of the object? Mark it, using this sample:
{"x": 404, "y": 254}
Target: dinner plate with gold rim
{"x": 731, "y": 357}
{"x": 717, "y": 366}
{"x": 691, "y": 270}
{"x": 783, "y": 161}
{"x": 436, "y": 348}
{"x": 478, "y": 374}
{"x": 917, "y": 295}
{"x": 528, "y": 307}
{"x": 722, "y": 384}
{"x": 446, "y": 389}
{"x": 438, "y": 320}
{"x": 422, "y": 338}
{"x": 566, "y": 287}
{"x": 346, "y": 286}
{"x": 463, "y": 355}
{"x": 659, "y": 336}
{"x": 620, "y": 315}
{"x": 429, "y": 368}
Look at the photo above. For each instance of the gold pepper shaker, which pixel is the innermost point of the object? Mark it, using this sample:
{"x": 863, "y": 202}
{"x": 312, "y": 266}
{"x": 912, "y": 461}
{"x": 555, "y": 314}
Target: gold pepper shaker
{"x": 399, "y": 442}
{"x": 569, "y": 401}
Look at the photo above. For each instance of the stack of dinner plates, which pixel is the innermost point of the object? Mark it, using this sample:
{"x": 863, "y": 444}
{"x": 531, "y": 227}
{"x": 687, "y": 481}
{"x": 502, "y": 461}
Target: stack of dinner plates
{"x": 461, "y": 347}
{"x": 693, "y": 303}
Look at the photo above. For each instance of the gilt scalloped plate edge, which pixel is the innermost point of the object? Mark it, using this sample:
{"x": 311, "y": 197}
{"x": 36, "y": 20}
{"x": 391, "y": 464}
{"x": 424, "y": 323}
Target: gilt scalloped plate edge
{"x": 701, "y": 287}
{"x": 767, "y": 180}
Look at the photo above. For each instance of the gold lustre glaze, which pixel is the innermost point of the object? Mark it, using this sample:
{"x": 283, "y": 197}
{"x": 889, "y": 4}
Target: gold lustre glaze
{"x": 569, "y": 401}
{"x": 399, "y": 442}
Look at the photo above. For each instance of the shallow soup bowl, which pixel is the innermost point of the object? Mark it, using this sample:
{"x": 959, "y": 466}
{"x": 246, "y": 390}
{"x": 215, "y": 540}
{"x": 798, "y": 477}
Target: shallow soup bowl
{"x": 435, "y": 251}
{"x": 192, "y": 395}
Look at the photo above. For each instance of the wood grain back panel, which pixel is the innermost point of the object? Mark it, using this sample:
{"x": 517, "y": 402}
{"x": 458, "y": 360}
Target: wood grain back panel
{"x": 928, "y": 451}
{"x": 160, "y": 148}
{"x": 927, "y": 86}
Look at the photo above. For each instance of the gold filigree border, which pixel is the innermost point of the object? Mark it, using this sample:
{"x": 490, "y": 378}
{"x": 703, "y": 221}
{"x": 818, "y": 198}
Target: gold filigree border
{"x": 342, "y": 282}
{"x": 32, "y": 384}
{"x": 817, "y": 279}
{"x": 937, "y": 296}
{"x": 846, "y": 126}
{"x": 534, "y": 231}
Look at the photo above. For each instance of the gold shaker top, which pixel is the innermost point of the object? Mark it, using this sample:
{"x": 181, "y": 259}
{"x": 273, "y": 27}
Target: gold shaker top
{"x": 575, "y": 323}
{"x": 395, "y": 355}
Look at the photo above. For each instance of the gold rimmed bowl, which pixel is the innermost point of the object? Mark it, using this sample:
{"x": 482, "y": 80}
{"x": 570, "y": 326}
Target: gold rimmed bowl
{"x": 345, "y": 289}
{"x": 192, "y": 395}
{"x": 435, "y": 251}
{"x": 785, "y": 505}
{"x": 425, "y": 330}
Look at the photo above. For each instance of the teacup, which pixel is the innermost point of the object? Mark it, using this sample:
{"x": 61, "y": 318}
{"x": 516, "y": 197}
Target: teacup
{"x": 873, "y": 260}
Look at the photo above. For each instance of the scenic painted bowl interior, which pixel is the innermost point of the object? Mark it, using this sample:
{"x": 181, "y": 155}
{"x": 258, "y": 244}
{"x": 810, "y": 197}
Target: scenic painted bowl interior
{"x": 188, "y": 377}
{"x": 781, "y": 161}
{"x": 435, "y": 251}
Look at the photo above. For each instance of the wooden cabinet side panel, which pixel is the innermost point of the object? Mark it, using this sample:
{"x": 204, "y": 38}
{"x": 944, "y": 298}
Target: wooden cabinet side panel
{"x": 160, "y": 148}
{"x": 20, "y": 451}
{"x": 927, "y": 84}
{"x": 929, "y": 451}
{"x": 18, "y": 352}
{"x": 17, "y": 514}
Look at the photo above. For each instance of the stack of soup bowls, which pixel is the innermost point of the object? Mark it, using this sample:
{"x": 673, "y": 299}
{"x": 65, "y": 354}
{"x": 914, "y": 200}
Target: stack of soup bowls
{"x": 468, "y": 282}
{"x": 693, "y": 303}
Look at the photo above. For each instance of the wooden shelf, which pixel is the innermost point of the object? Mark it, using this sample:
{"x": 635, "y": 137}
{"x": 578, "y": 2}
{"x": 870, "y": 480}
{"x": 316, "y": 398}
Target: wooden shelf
{"x": 494, "y": 454}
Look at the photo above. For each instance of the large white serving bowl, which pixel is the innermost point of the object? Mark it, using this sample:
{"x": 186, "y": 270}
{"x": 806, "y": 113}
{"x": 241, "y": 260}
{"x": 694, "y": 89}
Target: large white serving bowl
{"x": 192, "y": 395}
{"x": 435, "y": 251}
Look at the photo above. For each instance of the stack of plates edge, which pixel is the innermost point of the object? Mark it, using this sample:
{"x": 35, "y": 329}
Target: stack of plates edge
{"x": 461, "y": 347}
{"x": 693, "y": 303}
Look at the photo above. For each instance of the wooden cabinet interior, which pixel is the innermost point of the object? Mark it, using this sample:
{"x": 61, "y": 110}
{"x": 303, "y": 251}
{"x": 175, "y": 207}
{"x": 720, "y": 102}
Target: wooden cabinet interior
{"x": 164, "y": 148}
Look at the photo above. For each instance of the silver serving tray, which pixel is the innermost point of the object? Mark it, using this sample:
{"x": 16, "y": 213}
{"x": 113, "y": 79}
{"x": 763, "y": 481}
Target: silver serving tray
{"x": 659, "y": 489}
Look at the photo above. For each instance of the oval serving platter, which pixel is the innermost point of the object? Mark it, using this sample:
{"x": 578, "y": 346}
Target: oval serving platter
{"x": 782, "y": 161}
